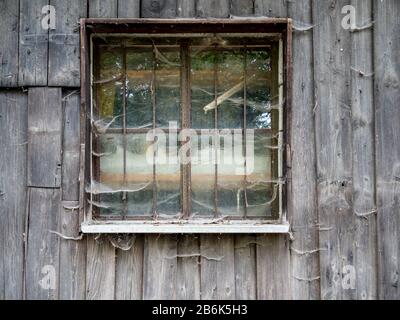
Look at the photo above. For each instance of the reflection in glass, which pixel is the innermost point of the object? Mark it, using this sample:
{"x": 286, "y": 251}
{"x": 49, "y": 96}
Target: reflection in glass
{"x": 139, "y": 103}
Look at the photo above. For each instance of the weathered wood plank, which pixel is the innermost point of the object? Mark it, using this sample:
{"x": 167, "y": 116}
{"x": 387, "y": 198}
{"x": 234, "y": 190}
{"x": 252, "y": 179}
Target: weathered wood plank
{"x": 387, "y": 113}
{"x": 103, "y": 8}
{"x": 186, "y": 8}
{"x": 13, "y": 137}
{"x": 273, "y": 267}
{"x": 245, "y": 267}
{"x": 158, "y": 8}
{"x": 272, "y": 251}
{"x": 100, "y": 269}
{"x": 128, "y": 8}
{"x": 72, "y": 254}
{"x": 160, "y": 267}
{"x": 242, "y": 8}
{"x": 44, "y": 137}
{"x": 362, "y": 106}
{"x": 188, "y": 268}
{"x": 212, "y": 9}
{"x": 271, "y": 8}
{"x": 42, "y": 259}
{"x": 129, "y": 271}
{"x": 71, "y": 146}
{"x": 332, "y": 74}
{"x": 9, "y": 22}
{"x": 33, "y": 44}
{"x": 217, "y": 267}
{"x": 302, "y": 195}
{"x": 64, "y": 43}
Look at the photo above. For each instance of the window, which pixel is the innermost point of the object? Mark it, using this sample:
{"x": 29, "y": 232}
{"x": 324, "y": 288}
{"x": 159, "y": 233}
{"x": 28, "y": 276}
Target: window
{"x": 184, "y": 125}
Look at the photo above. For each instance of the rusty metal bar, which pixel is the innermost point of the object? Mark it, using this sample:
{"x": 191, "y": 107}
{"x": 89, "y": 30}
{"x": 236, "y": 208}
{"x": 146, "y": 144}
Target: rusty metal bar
{"x": 245, "y": 129}
{"x": 185, "y": 116}
{"x": 124, "y": 123}
{"x": 153, "y": 99}
{"x": 215, "y": 136}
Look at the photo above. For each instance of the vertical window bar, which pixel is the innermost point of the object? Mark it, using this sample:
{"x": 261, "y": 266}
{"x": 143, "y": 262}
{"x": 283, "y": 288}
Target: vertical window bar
{"x": 215, "y": 135}
{"x": 153, "y": 99}
{"x": 185, "y": 112}
{"x": 124, "y": 122}
{"x": 245, "y": 128}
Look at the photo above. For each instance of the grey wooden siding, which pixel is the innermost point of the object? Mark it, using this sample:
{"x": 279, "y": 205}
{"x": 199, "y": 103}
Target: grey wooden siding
{"x": 344, "y": 176}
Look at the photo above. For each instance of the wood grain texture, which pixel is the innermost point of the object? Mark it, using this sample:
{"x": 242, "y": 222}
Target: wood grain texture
{"x": 72, "y": 254}
{"x": 186, "y": 8}
{"x": 188, "y": 272}
{"x": 217, "y": 267}
{"x": 362, "y": 107}
{"x": 245, "y": 267}
{"x": 387, "y": 113}
{"x": 129, "y": 271}
{"x": 42, "y": 259}
{"x": 271, "y": 8}
{"x": 272, "y": 251}
{"x": 103, "y": 8}
{"x": 9, "y": 34}
{"x": 64, "y": 43}
{"x": 212, "y": 9}
{"x": 13, "y": 137}
{"x": 243, "y": 8}
{"x": 100, "y": 269}
{"x": 302, "y": 195}
{"x": 273, "y": 267}
{"x": 71, "y": 146}
{"x": 158, "y": 8}
{"x": 128, "y": 8}
{"x": 332, "y": 74}
{"x": 44, "y": 137}
{"x": 160, "y": 267}
{"x": 33, "y": 44}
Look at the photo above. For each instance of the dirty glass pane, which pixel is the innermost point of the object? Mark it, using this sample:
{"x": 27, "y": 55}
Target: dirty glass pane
{"x": 202, "y": 174}
{"x": 261, "y": 178}
{"x": 168, "y": 93}
{"x": 109, "y": 88}
{"x": 139, "y": 108}
{"x": 231, "y": 173}
{"x": 110, "y": 182}
{"x": 230, "y": 88}
{"x": 123, "y": 180}
{"x": 139, "y": 174}
{"x": 168, "y": 175}
{"x": 202, "y": 87}
{"x": 258, "y": 91}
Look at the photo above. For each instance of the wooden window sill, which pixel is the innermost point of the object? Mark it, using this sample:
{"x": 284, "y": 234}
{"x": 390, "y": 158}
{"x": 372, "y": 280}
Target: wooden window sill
{"x": 180, "y": 227}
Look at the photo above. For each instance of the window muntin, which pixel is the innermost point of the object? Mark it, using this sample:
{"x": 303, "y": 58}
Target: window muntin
{"x": 232, "y": 87}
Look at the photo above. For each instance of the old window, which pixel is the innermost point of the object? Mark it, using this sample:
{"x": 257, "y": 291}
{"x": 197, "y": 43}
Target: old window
{"x": 185, "y": 129}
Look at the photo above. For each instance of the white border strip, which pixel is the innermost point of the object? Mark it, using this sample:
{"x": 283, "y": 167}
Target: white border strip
{"x": 138, "y": 227}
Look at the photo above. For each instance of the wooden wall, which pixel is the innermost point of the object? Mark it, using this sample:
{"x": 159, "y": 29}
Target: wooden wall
{"x": 344, "y": 182}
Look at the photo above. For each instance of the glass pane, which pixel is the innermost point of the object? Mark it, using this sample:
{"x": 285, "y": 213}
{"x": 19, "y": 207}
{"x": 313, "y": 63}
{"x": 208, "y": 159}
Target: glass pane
{"x": 258, "y": 90}
{"x": 202, "y": 87}
{"x": 109, "y": 89}
{"x": 262, "y": 191}
{"x": 139, "y": 174}
{"x": 168, "y": 93}
{"x": 203, "y": 174}
{"x": 168, "y": 176}
{"x": 110, "y": 179}
{"x": 230, "y": 88}
{"x": 231, "y": 173}
{"x": 139, "y": 109}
